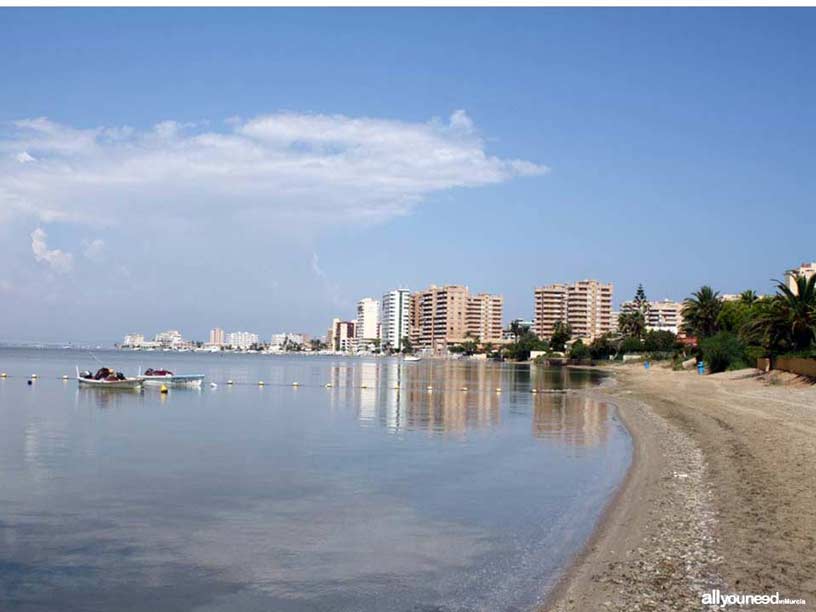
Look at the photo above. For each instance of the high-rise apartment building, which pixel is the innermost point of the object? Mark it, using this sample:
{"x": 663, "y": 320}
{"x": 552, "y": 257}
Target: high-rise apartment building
{"x": 448, "y": 315}
{"x": 343, "y": 336}
{"x": 586, "y": 306}
{"x": 483, "y": 318}
{"x": 217, "y": 337}
{"x": 440, "y": 317}
{"x": 395, "y": 318}
{"x": 367, "y": 329}
{"x": 663, "y": 315}
{"x": 241, "y": 339}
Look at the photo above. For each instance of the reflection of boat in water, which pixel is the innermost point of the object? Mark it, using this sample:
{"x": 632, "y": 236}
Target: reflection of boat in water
{"x": 166, "y": 377}
{"x": 105, "y": 378}
{"x": 411, "y": 358}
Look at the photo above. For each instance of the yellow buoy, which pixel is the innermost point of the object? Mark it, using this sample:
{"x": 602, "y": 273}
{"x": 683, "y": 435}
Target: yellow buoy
{"x": 295, "y": 384}
{"x": 163, "y": 389}
{"x": 498, "y": 389}
{"x": 33, "y": 376}
{"x": 229, "y": 382}
{"x": 534, "y": 390}
{"x": 328, "y": 385}
{"x": 64, "y": 377}
{"x": 363, "y": 387}
{"x": 260, "y": 383}
{"x": 429, "y": 387}
{"x": 3, "y": 374}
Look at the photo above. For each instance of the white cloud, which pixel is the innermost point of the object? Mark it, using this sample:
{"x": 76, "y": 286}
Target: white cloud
{"x": 24, "y": 157}
{"x": 58, "y": 260}
{"x": 94, "y": 250}
{"x": 316, "y": 169}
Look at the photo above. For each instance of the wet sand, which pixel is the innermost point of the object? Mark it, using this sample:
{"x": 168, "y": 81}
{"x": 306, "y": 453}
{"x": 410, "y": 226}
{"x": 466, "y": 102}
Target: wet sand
{"x": 721, "y": 494}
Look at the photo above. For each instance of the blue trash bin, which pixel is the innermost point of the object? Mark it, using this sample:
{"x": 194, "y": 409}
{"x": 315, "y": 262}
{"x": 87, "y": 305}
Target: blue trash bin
{"x": 700, "y": 368}
{"x": 646, "y": 364}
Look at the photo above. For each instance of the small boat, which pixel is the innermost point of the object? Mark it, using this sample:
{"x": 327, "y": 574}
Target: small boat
{"x": 166, "y": 377}
{"x": 105, "y": 378}
{"x": 411, "y": 358}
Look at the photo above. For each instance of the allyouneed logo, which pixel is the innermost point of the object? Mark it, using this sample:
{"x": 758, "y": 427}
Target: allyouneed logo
{"x": 717, "y": 598}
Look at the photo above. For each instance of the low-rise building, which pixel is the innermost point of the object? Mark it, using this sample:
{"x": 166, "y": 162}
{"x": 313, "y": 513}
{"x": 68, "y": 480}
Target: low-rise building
{"x": 171, "y": 338}
{"x": 807, "y": 270}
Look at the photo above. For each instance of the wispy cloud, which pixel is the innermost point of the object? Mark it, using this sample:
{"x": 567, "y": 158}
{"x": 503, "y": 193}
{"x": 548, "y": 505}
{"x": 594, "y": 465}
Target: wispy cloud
{"x": 94, "y": 249}
{"x": 56, "y": 259}
{"x": 315, "y": 168}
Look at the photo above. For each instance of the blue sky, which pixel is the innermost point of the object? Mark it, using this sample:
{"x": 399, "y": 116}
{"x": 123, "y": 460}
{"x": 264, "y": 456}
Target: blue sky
{"x": 145, "y": 159}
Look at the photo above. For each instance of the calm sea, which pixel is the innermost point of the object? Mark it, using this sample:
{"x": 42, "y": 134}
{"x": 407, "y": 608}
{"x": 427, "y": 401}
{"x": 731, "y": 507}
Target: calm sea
{"x": 375, "y": 494}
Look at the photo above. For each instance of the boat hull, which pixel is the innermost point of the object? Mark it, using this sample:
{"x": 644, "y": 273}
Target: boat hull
{"x": 129, "y": 384}
{"x": 175, "y": 380}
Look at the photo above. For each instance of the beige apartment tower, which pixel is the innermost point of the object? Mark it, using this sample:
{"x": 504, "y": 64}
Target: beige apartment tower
{"x": 447, "y": 315}
{"x": 586, "y": 306}
{"x": 483, "y": 319}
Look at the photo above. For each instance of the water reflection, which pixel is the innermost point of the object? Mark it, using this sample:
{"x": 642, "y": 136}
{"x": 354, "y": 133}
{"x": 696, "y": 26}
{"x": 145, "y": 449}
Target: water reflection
{"x": 450, "y": 397}
{"x": 373, "y": 494}
{"x": 570, "y": 419}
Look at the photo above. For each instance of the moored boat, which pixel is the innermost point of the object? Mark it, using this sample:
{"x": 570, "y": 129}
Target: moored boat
{"x": 411, "y": 358}
{"x": 166, "y": 377}
{"x": 105, "y": 378}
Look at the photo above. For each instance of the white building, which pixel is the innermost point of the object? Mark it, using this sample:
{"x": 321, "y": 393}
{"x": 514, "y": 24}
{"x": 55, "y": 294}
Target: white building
{"x": 241, "y": 339}
{"x": 133, "y": 340}
{"x": 367, "y": 330}
{"x": 284, "y": 339}
{"x": 662, "y": 315}
{"x": 171, "y": 338}
{"x": 806, "y": 269}
{"x": 396, "y": 318}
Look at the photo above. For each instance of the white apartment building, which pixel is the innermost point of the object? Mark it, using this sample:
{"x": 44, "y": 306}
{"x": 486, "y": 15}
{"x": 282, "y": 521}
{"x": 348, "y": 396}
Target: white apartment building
{"x": 586, "y": 306}
{"x": 133, "y": 340}
{"x": 806, "y": 269}
{"x": 286, "y": 338}
{"x": 662, "y": 315}
{"x": 395, "y": 318}
{"x": 242, "y": 339}
{"x": 367, "y": 329}
{"x": 171, "y": 338}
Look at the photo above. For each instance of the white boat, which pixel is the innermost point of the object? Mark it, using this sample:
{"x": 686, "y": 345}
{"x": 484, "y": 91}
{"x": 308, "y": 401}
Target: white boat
{"x": 411, "y": 358}
{"x": 111, "y": 381}
{"x": 166, "y": 377}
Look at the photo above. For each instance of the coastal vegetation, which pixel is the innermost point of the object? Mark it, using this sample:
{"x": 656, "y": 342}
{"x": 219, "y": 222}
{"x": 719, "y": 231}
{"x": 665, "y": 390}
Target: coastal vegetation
{"x": 733, "y": 334}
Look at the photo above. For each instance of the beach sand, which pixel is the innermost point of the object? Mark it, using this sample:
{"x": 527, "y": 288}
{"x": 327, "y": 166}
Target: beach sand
{"x": 721, "y": 494}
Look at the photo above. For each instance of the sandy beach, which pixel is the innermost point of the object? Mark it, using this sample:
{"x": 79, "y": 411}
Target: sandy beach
{"x": 721, "y": 495}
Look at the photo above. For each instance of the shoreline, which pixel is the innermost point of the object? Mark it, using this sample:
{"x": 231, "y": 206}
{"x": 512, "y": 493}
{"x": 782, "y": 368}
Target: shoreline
{"x": 696, "y": 510}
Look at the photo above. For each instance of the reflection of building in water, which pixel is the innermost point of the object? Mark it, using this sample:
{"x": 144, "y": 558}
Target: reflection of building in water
{"x": 570, "y": 419}
{"x": 395, "y": 395}
{"x": 446, "y": 407}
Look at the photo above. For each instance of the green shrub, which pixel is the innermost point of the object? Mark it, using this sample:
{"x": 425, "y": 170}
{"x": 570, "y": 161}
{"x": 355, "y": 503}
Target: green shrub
{"x": 723, "y": 351}
{"x": 579, "y": 350}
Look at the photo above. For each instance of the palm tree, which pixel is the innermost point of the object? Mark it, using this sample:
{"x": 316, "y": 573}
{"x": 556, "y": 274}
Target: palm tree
{"x": 632, "y": 323}
{"x": 700, "y": 312}
{"x": 748, "y": 297}
{"x": 790, "y": 320}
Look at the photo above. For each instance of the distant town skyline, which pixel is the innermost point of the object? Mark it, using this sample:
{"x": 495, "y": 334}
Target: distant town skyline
{"x": 266, "y": 169}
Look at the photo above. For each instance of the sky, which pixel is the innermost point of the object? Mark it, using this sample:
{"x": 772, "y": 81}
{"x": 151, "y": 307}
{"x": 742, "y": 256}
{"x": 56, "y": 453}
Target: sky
{"x": 263, "y": 169}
